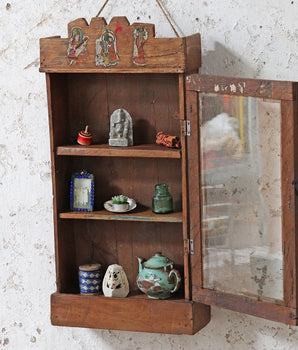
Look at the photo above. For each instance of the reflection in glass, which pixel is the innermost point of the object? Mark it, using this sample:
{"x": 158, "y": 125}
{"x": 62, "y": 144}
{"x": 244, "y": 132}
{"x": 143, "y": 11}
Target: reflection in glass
{"x": 81, "y": 193}
{"x": 241, "y": 191}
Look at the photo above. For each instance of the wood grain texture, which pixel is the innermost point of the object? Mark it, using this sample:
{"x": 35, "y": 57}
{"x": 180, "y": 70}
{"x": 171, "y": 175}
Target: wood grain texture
{"x": 295, "y": 118}
{"x": 154, "y": 102}
{"x": 151, "y": 100}
{"x": 172, "y": 55}
{"x": 64, "y": 243}
{"x": 193, "y": 52}
{"x": 286, "y": 92}
{"x": 110, "y": 241}
{"x": 194, "y": 194}
{"x": 138, "y": 151}
{"x": 288, "y": 203}
{"x": 184, "y": 186}
{"x": 289, "y": 134}
{"x": 137, "y": 215}
{"x": 280, "y": 90}
{"x": 270, "y": 311}
{"x": 134, "y": 313}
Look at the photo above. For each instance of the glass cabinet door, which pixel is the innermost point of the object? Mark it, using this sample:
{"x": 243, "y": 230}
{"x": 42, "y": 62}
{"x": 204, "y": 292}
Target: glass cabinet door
{"x": 241, "y": 195}
{"x": 243, "y": 178}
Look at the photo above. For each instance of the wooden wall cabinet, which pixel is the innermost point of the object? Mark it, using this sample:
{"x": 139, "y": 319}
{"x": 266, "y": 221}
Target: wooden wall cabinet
{"x": 218, "y": 187}
{"x": 81, "y": 93}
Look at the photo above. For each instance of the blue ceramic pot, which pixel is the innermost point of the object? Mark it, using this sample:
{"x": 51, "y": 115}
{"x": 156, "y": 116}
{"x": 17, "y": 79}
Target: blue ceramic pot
{"x": 90, "y": 278}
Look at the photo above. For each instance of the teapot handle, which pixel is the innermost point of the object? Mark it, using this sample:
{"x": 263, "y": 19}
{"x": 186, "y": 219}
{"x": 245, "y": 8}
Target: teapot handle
{"x": 177, "y": 277}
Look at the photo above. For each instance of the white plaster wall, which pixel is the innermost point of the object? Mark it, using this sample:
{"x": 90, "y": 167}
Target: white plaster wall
{"x": 249, "y": 38}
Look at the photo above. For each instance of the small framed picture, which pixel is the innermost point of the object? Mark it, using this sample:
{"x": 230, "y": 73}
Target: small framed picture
{"x": 82, "y": 191}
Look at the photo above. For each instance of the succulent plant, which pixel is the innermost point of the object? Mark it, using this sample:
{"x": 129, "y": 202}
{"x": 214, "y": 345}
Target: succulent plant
{"x": 120, "y": 199}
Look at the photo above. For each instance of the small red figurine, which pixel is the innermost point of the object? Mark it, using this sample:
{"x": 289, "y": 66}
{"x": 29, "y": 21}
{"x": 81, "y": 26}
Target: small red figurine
{"x": 168, "y": 140}
{"x": 84, "y": 137}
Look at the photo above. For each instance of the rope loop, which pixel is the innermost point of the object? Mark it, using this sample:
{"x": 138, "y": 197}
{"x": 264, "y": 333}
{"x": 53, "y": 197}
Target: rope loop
{"x": 160, "y": 6}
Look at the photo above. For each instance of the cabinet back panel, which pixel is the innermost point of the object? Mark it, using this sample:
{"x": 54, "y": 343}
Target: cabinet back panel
{"x": 111, "y": 243}
{"x": 115, "y": 242}
{"x": 135, "y": 178}
{"x": 89, "y": 99}
{"x": 66, "y": 257}
{"x": 150, "y": 99}
{"x": 58, "y": 108}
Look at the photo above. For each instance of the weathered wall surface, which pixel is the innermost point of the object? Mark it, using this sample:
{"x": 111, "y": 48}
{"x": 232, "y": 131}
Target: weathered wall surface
{"x": 242, "y": 38}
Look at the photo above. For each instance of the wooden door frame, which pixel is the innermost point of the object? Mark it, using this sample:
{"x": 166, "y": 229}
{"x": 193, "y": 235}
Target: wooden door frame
{"x": 286, "y": 92}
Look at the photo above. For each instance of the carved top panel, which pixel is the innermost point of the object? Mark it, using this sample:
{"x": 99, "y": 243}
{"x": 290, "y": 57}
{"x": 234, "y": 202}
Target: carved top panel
{"x": 118, "y": 47}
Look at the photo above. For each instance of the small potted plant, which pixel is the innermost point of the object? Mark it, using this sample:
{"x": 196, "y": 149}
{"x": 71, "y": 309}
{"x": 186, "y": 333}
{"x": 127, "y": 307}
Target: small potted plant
{"x": 120, "y": 203}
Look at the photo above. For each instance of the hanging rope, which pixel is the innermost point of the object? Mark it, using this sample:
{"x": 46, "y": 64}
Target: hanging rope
{"x": 103, "y": 6}
{"x": 164, "y": 12}
{"x": 160, "y": 6}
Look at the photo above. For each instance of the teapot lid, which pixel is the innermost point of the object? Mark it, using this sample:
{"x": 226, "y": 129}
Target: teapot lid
{"x": 157, "y": 261}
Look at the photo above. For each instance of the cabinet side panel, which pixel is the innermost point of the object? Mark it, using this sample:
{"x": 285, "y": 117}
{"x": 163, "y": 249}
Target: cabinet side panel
{"x": 193, "y": 52}
{"x": 64, "y": 243}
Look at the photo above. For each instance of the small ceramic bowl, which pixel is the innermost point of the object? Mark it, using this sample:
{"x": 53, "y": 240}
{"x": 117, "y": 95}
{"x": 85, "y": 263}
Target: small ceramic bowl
{"x": 120, "y": 207}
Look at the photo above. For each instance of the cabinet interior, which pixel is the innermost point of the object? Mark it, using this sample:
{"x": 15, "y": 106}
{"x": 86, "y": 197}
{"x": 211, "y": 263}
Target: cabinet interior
{"x": 153, "y": 102}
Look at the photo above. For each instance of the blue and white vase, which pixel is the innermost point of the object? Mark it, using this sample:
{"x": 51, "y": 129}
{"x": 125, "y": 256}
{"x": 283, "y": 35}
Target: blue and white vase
{"x": 90, "y": 277}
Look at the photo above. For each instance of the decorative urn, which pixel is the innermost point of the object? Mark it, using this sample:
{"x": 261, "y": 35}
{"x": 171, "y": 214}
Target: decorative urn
{"x": 157, "y": 278}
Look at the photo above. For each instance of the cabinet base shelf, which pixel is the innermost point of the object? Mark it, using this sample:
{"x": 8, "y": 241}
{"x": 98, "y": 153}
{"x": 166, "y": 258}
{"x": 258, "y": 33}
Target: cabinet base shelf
{"x": 134, "y": 313}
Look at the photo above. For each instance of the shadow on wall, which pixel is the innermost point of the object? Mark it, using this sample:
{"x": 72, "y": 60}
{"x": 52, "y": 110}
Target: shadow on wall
{"x": 224, "y": 62}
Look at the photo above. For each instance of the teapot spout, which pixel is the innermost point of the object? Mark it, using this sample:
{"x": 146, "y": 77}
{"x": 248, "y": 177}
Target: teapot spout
{"x": 141, "y": 267}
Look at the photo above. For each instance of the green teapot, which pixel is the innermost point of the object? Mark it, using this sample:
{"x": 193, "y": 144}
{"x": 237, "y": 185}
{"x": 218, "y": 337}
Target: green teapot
{"x": 157, "y": 278}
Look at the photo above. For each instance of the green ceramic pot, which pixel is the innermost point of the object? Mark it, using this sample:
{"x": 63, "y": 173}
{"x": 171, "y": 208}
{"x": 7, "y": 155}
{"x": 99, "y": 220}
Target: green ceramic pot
{"x": 157, "y": 278}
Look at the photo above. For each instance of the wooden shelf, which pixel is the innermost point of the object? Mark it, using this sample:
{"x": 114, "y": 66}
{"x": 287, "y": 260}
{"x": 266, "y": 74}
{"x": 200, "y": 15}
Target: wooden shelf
{"x": 141, "y": 151}
{"x": 134, "y": 313}
{"x": 137, "y": 215}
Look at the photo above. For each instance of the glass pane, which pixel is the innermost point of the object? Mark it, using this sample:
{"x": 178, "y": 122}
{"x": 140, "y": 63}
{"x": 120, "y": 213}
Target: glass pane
{"x": 82, "y": 193}
{"x": 241, "y": 191}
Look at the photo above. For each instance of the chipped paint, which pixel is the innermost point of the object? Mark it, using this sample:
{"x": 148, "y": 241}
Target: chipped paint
{"x": 241, "y": 39}
{"x": 239, "y": 88}
{"x": 216, "y": 88}
{"x": 233, "y": 88}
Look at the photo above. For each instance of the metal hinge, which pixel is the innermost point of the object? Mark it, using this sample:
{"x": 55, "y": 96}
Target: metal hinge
{"x": 186, "y": 130}
{"x": 190, "y": 246}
